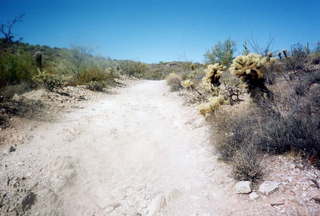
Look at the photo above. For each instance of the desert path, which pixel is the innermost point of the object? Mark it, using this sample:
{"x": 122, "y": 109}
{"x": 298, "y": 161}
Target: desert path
{"x": 137, "y": 152}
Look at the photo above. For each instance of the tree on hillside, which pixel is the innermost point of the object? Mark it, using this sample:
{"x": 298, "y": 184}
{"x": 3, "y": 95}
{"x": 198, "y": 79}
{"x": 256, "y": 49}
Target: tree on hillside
{"x": 221, "y": 53}
{"x": 7, "y": 29}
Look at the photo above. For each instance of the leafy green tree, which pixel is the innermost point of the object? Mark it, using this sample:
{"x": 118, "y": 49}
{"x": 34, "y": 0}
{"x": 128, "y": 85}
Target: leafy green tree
{"x": 221, "y": 53}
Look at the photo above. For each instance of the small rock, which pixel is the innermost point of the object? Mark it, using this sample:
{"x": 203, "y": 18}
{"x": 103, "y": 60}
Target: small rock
{"x": 268, "y": 187}
{"x": 157, "y": 204}
{"x": 28, "y": 201}
{"x": 253, "y": 196}
{"x": 243, "y": 187}
{"x": 16, "y": 97}
{"x": 12, "y": 149}
{"x": 316, "y": 199}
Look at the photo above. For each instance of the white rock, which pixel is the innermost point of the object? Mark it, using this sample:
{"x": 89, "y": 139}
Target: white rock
{"x": 157, "y": 204}
{"x": 16, "y": 97}
{"x": 268, "y": 187}
{"x": 243, "y": 187}
{"x": 253, "y": 196}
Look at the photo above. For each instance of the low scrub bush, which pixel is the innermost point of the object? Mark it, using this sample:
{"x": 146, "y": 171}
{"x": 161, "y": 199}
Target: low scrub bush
{"x": 291, "y": 133}
{"x": 174, "y": 81}
{"x": 298, "y": 58}
{"x": 96, "y": 78}
{"x": 235, "y": 140}
{"x": 246, "y": 163}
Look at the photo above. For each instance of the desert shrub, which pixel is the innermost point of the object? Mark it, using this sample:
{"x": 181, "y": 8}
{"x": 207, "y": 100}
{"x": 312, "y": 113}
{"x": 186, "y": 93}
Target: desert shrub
{"x": 16, "y": 68}
{"x": 288, "y": 123}
{"x": 246, "y": 164}
{"x": 283, "y": 115}
{"x": 299, "y": 54}
{"x": 196, "y": 75}
{"x": 153, "y": 73}
{"x": 174, "y": 81}
{"x": 132, "y": 68}
{"x": 4, "y": 121}
{"x": 315, "y": 58}
{"x": 47, "y": 80}
{"x": 291, "y": 133}
{"x": 312, "y": 78}
{"x": 221, "y": 53}
{"x": 93, "y": 74}
{"x": 10, "y": 90}
{"x": 293, "y": 123}
{"x": 212, "y": 106}
{"x": 235, "y": 140}
{"x": 232, "y": 88}
{"x": 96, "y": 85}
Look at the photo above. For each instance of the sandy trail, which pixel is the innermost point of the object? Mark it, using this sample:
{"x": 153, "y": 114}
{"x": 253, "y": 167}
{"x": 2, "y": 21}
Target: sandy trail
{"x": 139, "y": 152}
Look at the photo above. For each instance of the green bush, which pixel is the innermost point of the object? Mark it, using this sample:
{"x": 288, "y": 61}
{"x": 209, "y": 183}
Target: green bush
{"x": 16, "y": 68}
{"x": 221, "y": 53}
{"x": 132, "y": 69}
{"x": 96, "y": 78}
{"x": 89, "y": 75}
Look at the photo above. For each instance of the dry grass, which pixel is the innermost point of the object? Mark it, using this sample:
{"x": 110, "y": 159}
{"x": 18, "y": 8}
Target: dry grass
{"x": 174, "y": 81}
{"x": 235, "y": 140}
{"x": 287, "y": 123}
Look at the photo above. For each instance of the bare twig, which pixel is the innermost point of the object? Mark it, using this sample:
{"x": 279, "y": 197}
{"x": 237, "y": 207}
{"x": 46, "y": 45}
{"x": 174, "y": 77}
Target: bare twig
{"x": 7, "y": 29}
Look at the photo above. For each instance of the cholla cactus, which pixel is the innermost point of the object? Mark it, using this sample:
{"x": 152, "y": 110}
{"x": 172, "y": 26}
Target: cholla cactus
{"x": 251, "y": 69}
{"x": 187, "y": 84}
{"x": 249, "y": 66}
{"x": 213, "y": 105}
{"x": 212, "y": 77}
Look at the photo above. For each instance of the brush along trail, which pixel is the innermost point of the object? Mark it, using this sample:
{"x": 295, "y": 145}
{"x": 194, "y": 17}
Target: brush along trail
{"x": 137, "y": 152}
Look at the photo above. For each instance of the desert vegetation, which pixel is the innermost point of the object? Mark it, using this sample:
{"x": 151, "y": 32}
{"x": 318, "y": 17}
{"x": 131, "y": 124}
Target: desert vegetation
{"x": 259, "y": 103}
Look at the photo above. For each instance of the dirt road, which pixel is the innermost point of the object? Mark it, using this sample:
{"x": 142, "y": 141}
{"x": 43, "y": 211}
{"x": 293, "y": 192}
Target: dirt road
{"x": 137, "y": 152}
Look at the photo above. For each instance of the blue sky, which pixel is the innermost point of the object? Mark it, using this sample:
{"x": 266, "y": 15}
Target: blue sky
{"x": 162, "y": 30}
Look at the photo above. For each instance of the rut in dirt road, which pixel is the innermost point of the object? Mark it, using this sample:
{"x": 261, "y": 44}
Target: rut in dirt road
{"x": 138, "y": 152}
